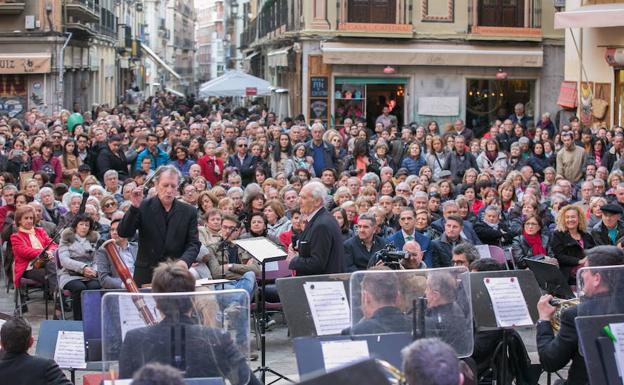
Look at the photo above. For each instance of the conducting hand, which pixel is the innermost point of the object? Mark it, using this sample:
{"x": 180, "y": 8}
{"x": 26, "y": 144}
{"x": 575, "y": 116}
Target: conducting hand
{"x": 544, "y": 308}
{"x": 137, "y": 196}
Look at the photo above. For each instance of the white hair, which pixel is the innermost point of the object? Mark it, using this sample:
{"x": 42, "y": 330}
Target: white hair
{"x": 317, "y": 190}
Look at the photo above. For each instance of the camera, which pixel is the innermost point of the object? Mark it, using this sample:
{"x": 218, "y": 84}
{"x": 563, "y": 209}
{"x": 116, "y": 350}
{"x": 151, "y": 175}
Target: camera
{"x": 391, "y": 257}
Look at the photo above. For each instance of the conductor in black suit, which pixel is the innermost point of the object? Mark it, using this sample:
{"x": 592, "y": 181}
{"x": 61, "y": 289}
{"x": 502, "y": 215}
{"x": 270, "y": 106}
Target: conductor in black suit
{"x": 167, "y": 227}
{"x": 320, "y": 247}
{"x": 17, "y": 367}
{"x": 555, "y": 351}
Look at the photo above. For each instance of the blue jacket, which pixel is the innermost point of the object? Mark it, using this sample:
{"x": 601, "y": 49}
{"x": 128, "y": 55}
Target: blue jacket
{"x": 184, "y": 167}
{"x": 329, "y": 157}
{"x": 398, "y": 241}
{"x": 413, "y": 165}
{"x": 161, "y": 159}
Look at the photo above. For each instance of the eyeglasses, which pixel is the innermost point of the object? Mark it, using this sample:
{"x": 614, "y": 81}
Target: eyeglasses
{"x": 110, "y": 204}
{"x": 242, "y": 145}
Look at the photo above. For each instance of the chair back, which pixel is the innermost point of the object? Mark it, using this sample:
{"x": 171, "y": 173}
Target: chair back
{"x": 498, "y": 254}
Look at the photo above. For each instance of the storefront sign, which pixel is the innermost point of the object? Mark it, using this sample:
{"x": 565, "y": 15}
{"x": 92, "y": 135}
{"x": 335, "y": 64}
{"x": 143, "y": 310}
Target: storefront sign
{"x": 438, "y": 106}
{"x": 24, "y": 64}
{"x": 251, "y": 91}
{"x": 318, "y": 87}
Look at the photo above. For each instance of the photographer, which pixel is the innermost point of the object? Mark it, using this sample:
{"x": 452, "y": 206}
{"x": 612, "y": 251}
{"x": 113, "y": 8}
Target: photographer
{"x": 361, "y": 248}
{"x": 414, "y": 256}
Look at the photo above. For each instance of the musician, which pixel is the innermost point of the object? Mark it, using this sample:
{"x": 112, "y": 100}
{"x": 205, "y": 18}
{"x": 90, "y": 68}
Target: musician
{"x": 381, "y": 301}
{"x": 167, "y": 227}
{"x": 107, "y": 275}
{"x": 444, "y": 318}
{"x": 431, "y": 361}
{"x": 209, "y": 352}
{"x": 555, "y": 351}
{"x": 27, "y": 243}
{"x": 17, "y": 367}
{"x": 76, "y": 254}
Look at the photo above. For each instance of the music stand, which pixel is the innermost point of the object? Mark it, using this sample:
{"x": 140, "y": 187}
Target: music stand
{"x": 263, "y": 251}
{"x": 597, "y": 348}
{"x": 483, "y": 308}
{"x": 363, "y": 372}
{"x": 295, "y": 304}
{"x": 550, "y": 279}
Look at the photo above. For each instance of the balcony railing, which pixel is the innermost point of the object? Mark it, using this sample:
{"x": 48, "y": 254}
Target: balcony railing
{"x": 273, "y": 17}
{"x": 83, "y": 10}
{"x": 12, "y": 7}
{"x": 250, "y": 34}
{"x": 393, "y": 16}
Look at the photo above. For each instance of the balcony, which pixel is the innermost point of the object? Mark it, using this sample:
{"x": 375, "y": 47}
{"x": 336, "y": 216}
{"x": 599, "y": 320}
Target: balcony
{"x": 83, "y": 10}
{"x": 249, "y": 34}
{"x": 500, "y": 18}
{"x": 273, "y": 18}
{"x": 391, "y": 17}
{"x": 12, "y": 7}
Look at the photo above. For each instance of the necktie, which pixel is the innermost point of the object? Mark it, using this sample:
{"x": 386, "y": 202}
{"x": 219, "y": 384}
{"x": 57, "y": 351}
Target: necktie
{"x": 409, "y": 238}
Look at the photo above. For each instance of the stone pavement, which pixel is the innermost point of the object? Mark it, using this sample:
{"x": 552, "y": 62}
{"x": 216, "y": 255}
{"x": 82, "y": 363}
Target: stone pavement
{"x": 280, "y": 355}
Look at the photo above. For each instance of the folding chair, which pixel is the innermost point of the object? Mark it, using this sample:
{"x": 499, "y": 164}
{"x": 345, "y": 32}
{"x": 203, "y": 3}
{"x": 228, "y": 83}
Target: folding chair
{"x": 62, "y": 293}
{"x": 26, "y": 285}
{"x": 498, "y": 255}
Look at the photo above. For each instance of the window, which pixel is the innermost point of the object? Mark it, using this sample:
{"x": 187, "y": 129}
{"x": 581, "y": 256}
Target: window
{"x": 501, "y": 13}
{"x": 372, "y": 11}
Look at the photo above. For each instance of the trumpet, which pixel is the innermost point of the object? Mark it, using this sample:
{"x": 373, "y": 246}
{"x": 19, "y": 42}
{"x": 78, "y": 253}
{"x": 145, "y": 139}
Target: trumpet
{"x": 561, "y": 305}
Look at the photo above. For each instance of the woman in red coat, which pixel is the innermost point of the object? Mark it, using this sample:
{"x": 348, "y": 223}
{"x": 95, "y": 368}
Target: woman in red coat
{"x": 27, "y": 242}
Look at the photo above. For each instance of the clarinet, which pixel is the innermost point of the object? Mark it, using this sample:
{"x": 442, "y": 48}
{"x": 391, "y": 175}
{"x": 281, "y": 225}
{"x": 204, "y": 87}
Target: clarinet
{"x": 126, "y": 277}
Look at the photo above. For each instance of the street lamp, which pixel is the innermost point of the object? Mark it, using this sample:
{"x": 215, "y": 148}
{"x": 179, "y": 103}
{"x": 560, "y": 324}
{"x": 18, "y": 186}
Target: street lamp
{"x": 234, "y": 8}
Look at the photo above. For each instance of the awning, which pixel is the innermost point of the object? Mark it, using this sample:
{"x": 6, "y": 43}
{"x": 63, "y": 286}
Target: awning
{"x": 160, "y": 61}
{"x": 591, "y": 16}
{"x": 24, "y": 63}
{"x": 278, "y": 58}
{"x": 176, "y": 93}
{"x": 431, "y": 54}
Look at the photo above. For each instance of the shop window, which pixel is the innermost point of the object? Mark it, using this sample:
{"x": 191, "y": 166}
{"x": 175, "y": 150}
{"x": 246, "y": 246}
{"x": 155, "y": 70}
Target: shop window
{"x": 488, "y": 100}
{"x": 372, "y": 11}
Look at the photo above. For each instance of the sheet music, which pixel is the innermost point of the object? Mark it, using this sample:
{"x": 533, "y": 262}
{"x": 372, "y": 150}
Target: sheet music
{"x": 261, "y": 248}
{"x": 209, "y": 282}
{"x": 329, "y": 306}
{"x": 484, "y": 251}
{"x": 509, "y": 305}
{"x": 70, "y": 350}
{"x": 618, "y": 333}
{"x": 129, "y": 314}
{"x": 341, "y": 353}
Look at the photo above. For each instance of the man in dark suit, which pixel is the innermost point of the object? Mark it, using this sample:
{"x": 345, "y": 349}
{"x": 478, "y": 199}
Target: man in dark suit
{"x": 320, "y": 249}
{"x": 407, "y": 221}
{"x": 243, "y": 160}
{"x": 203, "y": 351}
{"x": 361, "y": 248}
{"x": 451, "y": 208}
{"x": 555, "y": 351}
{"x": 167, "y": 227}
{"x": 17, "y": 367}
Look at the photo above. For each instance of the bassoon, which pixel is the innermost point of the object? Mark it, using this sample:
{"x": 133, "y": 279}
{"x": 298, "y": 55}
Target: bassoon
{"x": 126, "y": 278}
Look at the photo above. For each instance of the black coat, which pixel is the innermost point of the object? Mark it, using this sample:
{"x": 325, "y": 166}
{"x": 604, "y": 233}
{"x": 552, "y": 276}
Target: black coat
{"x": 521, "y": 250}
{"x": 568, "y": 251}
{"x": 355, "y": 254}
{"x": 157, "y": 240}
{"x": 107, "y": 160}
{"x": 491, "y": 236}
{"x": 388, "y": 319}
{"x": 321, "y": 249}
{"x": 24, "y": 369}
{"x": 600, "y": 234}
{"x": 209, "y": 352}
{"x": 442, "y": 251}
{"x": 556, "y": 351}
{"x": 247, "y": 167}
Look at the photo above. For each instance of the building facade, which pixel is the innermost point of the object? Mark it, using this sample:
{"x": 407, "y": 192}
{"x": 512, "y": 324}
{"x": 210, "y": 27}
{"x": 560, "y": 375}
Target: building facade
{"x": 424, "y": 59}
{"x": 594, "y": 59}
{"x": 210, "y": 35}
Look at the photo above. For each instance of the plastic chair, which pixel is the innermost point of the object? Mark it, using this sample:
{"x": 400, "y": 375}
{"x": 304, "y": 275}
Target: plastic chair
{"x": 498, "y": 255}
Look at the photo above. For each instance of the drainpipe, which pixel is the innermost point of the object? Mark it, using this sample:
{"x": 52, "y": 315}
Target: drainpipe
{"x": 62, "y": 71}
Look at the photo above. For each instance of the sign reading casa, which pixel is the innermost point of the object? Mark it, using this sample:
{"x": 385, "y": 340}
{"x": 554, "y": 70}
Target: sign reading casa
{"x": 25, "y": 64}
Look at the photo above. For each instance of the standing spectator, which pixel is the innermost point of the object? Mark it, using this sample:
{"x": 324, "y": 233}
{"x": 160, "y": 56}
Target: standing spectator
{"x": 243, "y": 160}
{"x": 322, "y": 153}
{"x": 459, "y": 160}
{"x": 157, "y": 156}
{"x": 570, "y": 159}
{"x": 47, "y": 163}
{"x": 70, "y": 160}
{"x": 180, "y": 159}
{"x": 112, "y": 157}
{"x": 519, "y": 116}
{"x": 211, "y": 166}
{"x": 546, "y": 124}
{"x": 463, "y": 131}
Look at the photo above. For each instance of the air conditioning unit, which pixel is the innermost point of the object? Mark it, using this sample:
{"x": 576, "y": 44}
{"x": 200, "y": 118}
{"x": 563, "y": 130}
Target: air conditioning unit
{"x": 29, "y": 22}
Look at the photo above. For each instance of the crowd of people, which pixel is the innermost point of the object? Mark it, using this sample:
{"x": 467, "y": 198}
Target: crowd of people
{"x": 71, "y": 181}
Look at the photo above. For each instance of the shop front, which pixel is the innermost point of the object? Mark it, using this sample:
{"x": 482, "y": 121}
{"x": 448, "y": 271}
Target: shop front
{"x": 365, "y": 97}
{"x": 22, "y": 82}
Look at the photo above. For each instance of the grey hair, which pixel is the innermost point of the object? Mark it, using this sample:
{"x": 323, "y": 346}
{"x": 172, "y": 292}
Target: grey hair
{"x": 469, "y": 250}
{"x": 46, "y": 190}
{"x": 368, "y": 217}
{"x": 371, "y": 176}
{"x": 494, "y": 209}
{"x": 317, "y": 125}
{"x": 168, "y": 169}
{"x": 10, "y": 187}
{"x": 318, "y": 190}
{"x": 110, "y": 173}
{"x": 420, "y": 194}
{"x": 430, "y": 361}
{"x": 447, "y": 204}
{"x": 233, "y": 190}
{"x": 242, "y": 139}
{"x": 386, "y": 168}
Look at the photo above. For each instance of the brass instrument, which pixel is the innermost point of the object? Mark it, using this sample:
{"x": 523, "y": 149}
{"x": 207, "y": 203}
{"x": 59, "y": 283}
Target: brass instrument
{"x": 396, "y": 376}
{"x": 561, "y": 305}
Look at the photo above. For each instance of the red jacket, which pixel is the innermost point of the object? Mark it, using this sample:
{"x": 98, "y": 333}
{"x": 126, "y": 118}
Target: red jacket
{"x": 4, "y": 211}
{"x": 207, "y": 164}
{"x": 23, "y": 251}
{"x": 38, "y": 162}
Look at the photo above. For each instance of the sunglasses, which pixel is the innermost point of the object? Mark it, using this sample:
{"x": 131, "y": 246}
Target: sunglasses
{"x": 242, "y": 145}
{"x": 110, "y": 204}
